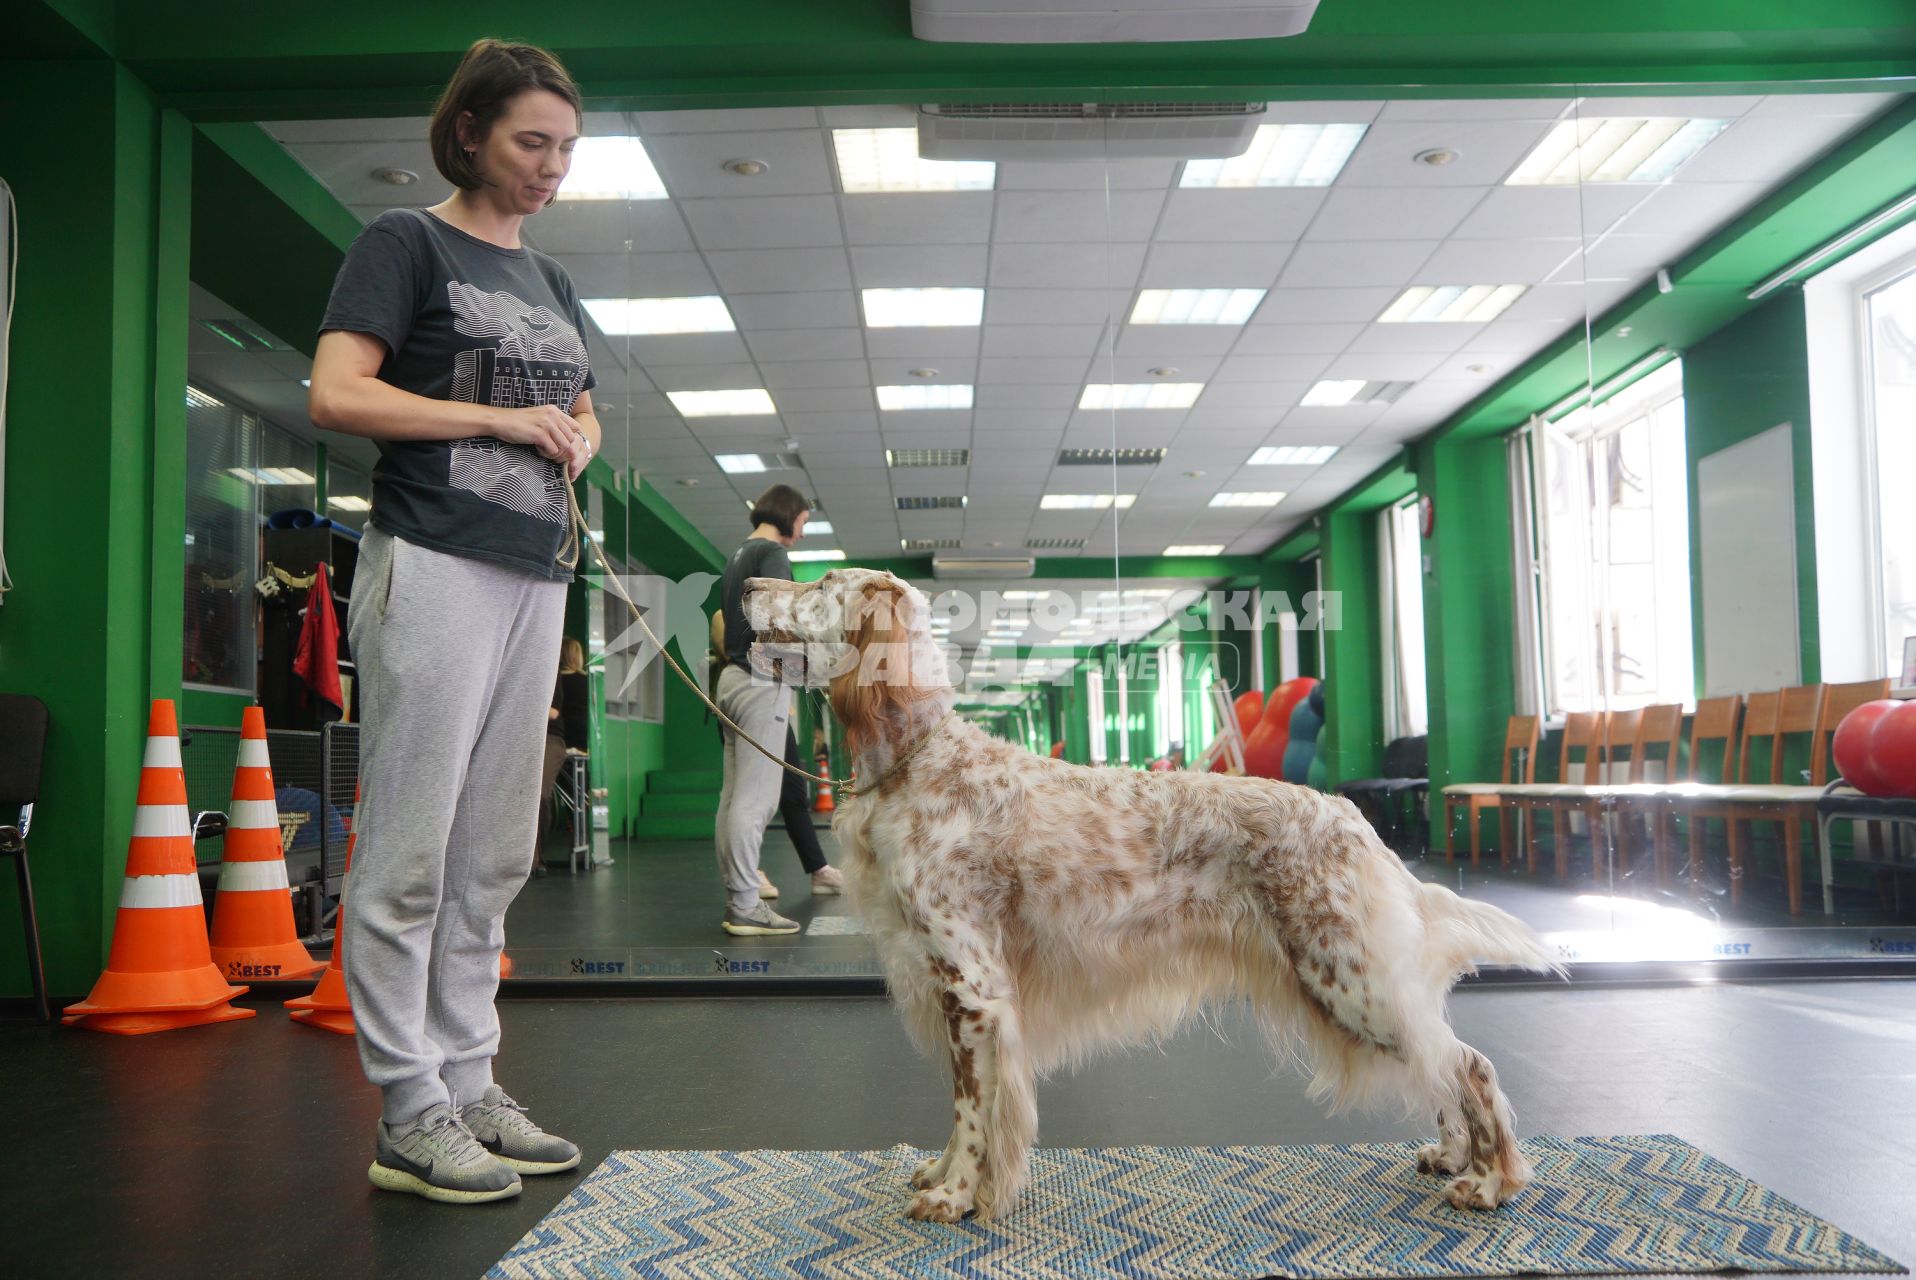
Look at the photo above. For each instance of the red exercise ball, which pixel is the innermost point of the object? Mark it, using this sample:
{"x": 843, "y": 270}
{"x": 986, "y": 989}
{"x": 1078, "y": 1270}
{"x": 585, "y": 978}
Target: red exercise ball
{"x": 1249, "y": 709}
{"x": 1264, "y": 748}
{"x": 1850, "y": 747}
{"x": 1891, "y": 751}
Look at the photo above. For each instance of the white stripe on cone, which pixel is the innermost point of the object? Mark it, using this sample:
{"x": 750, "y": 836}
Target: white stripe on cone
{"x": 161, "y": 891}
{"x": 161, "y": 820}
{"x": 162, "y": 753}
{"x": 252, "y": 754}
{"x": 253, "y": 815}
{"x": 253, "y": 877}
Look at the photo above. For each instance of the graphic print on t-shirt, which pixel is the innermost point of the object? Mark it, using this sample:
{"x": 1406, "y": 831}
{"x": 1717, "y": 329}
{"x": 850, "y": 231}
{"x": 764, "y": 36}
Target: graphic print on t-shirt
{"x": 537, "y": 359}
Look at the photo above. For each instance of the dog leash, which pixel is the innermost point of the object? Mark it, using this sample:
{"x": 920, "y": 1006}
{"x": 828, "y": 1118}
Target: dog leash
{"x": 579, "y": 531}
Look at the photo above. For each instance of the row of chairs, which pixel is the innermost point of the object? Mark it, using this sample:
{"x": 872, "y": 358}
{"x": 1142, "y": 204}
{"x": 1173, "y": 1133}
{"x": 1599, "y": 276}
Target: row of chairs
{"x": 1619, "y": 770}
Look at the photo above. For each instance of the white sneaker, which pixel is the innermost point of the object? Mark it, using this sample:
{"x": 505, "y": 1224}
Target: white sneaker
{"x": 827, "y": 881}
{"x": 766, "y": 889}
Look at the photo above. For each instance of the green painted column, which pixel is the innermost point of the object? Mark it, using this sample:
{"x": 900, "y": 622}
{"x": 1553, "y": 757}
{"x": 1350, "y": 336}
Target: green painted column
{"x": 1469, "y": 609}
{"x": 95, "y": 448}
{"x": 1352, "y": 742}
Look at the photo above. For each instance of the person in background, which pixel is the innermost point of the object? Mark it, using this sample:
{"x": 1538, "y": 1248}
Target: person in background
{"x": 762, "y": 709}
{"x": 568, "y": 728}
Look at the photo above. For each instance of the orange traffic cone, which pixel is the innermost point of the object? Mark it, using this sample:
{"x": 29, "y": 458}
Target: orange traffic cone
{"x": 824, "y": 802}
{"x": 253, "y": 935}
{"x": 159, "y": 973}
{"x": 329, "y": 1007}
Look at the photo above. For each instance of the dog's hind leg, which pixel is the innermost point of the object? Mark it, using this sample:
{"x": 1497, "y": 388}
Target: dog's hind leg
{"x": 995, "y": 1110}
{"x": 1495, "y": 1169}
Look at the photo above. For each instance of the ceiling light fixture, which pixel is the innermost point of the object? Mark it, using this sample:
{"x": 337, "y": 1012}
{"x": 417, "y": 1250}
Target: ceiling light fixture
{"x": 1281, "y": 155}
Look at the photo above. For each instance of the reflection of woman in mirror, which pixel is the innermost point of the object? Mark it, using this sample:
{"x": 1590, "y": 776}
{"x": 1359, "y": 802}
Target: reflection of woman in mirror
{"x": 459, "y": 351}
{"x": 568, "y": 728}
{"x": 794, "y": 797}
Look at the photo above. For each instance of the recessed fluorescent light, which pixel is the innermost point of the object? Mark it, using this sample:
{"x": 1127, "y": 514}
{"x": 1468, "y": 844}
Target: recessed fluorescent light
{"x": 718, "y": 404}
{"x": 613, "y": 168}
{"x": 1451, "y": 303}
{"x": 1614, "y": 149}
{"x": 306, "y": 382}
{"x": 619, "y": 317}
{"x": 1196, "y": 549}
{"x": 1026, "y": 595}
{"x": 740, "y": 463}
{"x": 927, "y": 457}
{"x": 887, "y": 160}
{"x": 348, "y": 503}
{"x": 271, "y": 475}
{"x": 923, "y": 308}
{"x": 817, "y": 526}
{"x": 1195, "y": 306}
{"x": 1345, "y": 391}
{"x": 1246, "y": 499}
{"x": 1292, "y": 455}
{"x": 920, "y": 396}
{"x": 799, "y": 557}
{"x": 1140, "y": 395}
{"x": 1281, "y": 155}
{"x": 1086, "y": 501}
{"x": 197, "y": 399}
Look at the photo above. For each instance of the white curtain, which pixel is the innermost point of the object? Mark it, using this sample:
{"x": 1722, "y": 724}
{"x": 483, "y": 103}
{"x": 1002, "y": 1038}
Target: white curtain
{"x": 1523, "y": 537}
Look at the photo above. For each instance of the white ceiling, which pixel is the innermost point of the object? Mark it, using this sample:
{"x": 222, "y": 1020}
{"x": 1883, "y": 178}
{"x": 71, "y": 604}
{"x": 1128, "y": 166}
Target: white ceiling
{"x": 1061, "y": 259}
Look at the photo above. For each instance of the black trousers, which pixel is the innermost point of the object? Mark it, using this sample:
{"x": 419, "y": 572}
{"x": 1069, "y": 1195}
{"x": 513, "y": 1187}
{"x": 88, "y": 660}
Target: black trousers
{"x": 794, "y": 806}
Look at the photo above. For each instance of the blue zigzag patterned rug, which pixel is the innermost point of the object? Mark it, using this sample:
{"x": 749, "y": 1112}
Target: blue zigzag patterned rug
{"x": 1630, "y": 1204}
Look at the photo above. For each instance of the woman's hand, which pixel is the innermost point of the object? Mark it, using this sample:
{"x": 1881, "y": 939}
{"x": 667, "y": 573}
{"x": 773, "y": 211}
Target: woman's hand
{"x": 547, "y": 428}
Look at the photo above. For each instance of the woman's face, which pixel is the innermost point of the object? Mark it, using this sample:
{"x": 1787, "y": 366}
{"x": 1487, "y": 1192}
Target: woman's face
{"x": 528, "y": 152}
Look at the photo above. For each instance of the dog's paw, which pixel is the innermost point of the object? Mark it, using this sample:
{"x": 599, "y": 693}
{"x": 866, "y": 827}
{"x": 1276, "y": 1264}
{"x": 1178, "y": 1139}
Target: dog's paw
{"x": 1434, "y": 1159}
{"x": 929, "y": 1173}
{"x": 939, "y": 1204}
{"x": 1479, "y": 1191}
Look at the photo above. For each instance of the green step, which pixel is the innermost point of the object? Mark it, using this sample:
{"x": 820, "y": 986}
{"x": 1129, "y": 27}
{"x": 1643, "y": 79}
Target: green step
{"x": 675, "y": 826}
{"x": 674, "y": 781}
{"x": 674, "y": 802}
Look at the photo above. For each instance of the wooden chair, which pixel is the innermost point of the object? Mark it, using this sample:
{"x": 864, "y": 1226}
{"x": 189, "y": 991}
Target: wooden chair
{"x": 1661, "y": 804}
{"x": 1582, "y": 732}
{"x": 1520, "y": 746}
{"x": 1658, "y": 727}
{"x": 1817, "y": 709}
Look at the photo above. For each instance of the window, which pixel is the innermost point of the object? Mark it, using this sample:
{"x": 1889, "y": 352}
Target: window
{"x": 349, "y": 495}
{"x": 1890, "y": 395}
{"x": 222, "y": 544}
{"x": 1613, "y": 550}
{"x": 1400, "y": 542}
{"x": 1171, "y": 698}
{"x": 1099, "y": 722}
{"x": 629, "y": 695}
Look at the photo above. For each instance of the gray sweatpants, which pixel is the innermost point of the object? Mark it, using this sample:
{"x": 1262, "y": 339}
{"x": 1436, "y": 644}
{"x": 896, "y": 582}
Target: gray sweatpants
{"x": 749, "y": 795}
{"x": 456, "y": 660}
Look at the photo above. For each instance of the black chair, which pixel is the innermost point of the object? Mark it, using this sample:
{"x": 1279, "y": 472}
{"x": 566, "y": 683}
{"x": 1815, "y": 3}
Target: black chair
{"x": 1842, "y": 802}
{"x": 23, "y": 743}
{"x": 1394, "y": 802}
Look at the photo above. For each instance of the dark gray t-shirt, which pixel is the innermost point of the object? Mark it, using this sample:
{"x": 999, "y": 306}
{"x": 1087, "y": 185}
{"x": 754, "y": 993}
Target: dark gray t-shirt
{"x": 755, "y": 558}
{"x": 463, "y": 319}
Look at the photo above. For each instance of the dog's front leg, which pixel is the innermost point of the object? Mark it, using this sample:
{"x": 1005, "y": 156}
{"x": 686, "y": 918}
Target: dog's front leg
{"x": 994, "y": 1119}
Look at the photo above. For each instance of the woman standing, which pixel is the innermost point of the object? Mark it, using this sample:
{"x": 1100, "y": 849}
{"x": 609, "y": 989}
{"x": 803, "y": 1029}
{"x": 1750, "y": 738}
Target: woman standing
{"x": 568, "y": 728}
{"x": 460, "y": 352}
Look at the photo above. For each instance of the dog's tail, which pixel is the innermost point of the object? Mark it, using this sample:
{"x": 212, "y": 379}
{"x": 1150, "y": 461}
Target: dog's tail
{"x": 1461, "y": 933}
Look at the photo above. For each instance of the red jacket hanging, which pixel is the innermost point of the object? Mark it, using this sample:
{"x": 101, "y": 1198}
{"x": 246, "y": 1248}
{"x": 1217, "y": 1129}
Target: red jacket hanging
{"x": 317, "y": 660}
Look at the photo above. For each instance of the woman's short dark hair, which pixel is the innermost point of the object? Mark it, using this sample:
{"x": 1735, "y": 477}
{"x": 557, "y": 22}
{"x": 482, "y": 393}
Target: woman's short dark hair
{"x": 780, "y": 506}
{"x": 492, "y": 73}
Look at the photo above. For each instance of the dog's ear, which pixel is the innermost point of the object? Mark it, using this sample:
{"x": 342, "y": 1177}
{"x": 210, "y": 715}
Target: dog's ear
{"x": 866, "y": 698}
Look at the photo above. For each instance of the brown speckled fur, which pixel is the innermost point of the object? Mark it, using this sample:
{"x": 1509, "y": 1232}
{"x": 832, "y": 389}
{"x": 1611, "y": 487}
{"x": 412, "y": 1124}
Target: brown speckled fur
{"x": 1030, "y": 912}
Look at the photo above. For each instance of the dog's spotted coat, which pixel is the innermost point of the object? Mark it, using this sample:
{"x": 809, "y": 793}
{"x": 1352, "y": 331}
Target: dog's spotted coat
{"x": 1030, "y": 912}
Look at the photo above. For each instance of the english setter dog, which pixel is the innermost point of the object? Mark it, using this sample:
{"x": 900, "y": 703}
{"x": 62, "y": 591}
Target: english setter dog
{"x": 1030, "y": 912}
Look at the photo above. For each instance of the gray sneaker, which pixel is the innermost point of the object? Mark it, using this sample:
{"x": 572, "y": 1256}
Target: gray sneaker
{"x": 437, "y": 1157}
{"x": 503, "y": 1128}
{"x": 760, "y": 921}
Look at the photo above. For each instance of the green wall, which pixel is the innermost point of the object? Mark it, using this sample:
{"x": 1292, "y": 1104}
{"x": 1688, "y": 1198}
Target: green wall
{"x": 1746, "y": 378}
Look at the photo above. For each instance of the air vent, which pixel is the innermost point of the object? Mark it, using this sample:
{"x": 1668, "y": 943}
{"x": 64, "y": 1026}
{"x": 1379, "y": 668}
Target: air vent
{"x": 1055, "y": 544}
{"x": 1088, "y": 131}
{"x": 1104, "y": 21}
{"x": 931, "y": 504}
{"x": 929, "y": 544}
{"x": 1110, "y": 457}
{"x": 961, "y": 566}
{"x": 928, "y": 457}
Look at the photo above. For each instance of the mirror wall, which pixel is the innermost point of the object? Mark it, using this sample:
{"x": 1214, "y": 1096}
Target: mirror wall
{"x": 1163, "y": 420}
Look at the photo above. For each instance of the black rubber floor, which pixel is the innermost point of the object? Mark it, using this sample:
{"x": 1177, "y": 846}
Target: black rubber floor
{"x": 241, "y": 1149}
